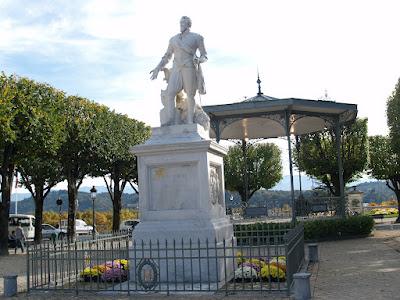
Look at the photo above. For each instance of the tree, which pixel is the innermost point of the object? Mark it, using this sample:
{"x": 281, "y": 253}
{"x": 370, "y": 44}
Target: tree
{"x": 385, "y": 164}
{"x": 393, "y": 118}
{"x": 21, "y": 134}
{"x": 316, "y": 154}
{"x": 8, "y": 137}
{"x": 114, "y": 160}
{"x": 82, "y": 139}
{"x": 39, "y": 168}
{"x": 264, "y": 168}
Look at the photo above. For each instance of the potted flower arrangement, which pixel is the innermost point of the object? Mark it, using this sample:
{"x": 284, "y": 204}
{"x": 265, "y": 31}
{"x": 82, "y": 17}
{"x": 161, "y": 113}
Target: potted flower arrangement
{"x": 111, "y": 271}
{"x": 254, "y": 269}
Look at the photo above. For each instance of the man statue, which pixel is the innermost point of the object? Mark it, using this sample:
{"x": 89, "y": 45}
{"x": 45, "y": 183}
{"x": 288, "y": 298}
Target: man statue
{"x": 186, "y": 71}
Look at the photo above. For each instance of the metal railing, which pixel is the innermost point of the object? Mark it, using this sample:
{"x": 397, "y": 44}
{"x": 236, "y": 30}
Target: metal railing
{"x": 260, "y": 258}
{"x": 61, "y": 265}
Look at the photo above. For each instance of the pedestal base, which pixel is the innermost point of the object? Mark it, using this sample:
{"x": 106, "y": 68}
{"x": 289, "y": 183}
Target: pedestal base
{"x": 184, "y": 235}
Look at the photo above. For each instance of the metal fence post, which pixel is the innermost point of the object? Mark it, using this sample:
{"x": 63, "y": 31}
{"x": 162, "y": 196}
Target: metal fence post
{"x": 10, "y": 285}
{"x": 302, "y": 290}
{"x": 27, "y": 270}
{"x": 312, "y": 252}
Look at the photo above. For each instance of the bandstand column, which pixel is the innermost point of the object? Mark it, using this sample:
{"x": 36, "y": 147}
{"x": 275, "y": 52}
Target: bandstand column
{"x": 287, "y": 127}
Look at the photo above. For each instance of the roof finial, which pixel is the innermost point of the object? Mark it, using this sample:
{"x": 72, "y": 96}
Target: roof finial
{"x": 259, "y": 84}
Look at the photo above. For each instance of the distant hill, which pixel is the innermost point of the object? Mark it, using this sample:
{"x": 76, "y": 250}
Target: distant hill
{"x": 374, "y": 191}
{"x": 307, "y": 183}
{"x": 102, "y": 202}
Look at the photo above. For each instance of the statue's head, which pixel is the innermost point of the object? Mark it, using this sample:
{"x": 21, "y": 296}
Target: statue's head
{"x": 185, "y": 23}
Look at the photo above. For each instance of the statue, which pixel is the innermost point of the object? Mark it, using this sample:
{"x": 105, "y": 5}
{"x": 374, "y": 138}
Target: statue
{"x": 184, "y": 79}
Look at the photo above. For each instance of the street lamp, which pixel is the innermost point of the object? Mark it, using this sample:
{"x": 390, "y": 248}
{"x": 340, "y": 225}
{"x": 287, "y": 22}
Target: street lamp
{"x": 93, "y": 192}
{"x": 59, "y": 203}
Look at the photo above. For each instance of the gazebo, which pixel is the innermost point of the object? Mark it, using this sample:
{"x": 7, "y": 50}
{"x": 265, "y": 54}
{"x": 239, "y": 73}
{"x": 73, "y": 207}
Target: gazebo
{"x": 263, "y": 117}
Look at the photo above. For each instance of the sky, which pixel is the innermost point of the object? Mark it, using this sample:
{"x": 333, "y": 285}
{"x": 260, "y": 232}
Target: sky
{"x": 104, "y": 50}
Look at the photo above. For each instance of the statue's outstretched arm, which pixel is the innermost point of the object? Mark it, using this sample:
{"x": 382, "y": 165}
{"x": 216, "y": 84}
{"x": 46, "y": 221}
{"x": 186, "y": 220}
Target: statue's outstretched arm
{"x": 165, "y": 59}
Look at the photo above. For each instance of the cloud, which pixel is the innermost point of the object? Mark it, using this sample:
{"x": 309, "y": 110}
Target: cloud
{"x": 103, "y": 50}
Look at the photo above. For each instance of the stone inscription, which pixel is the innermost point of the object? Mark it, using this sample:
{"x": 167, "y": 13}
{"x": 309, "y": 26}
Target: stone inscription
{"x": 174, "y": 187}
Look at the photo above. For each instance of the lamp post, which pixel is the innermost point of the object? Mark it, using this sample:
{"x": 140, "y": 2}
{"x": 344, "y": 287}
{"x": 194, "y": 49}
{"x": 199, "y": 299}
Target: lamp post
{"x": 59, "y": 203}
{"x": 93, "y": 192}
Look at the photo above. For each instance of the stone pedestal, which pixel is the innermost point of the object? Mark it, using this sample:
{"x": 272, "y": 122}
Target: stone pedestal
{"x": 355, "y": 201}
{"x": 182, "y": 205}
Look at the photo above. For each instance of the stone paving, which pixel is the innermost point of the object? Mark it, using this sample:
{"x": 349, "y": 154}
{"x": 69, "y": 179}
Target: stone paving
{"x": 367, "y": 268}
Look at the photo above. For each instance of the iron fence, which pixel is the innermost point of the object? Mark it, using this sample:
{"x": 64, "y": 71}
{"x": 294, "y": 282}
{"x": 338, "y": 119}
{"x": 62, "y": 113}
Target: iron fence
{"x": 260, "y": 258}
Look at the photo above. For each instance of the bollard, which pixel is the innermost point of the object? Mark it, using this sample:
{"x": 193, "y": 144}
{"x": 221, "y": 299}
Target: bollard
{"x": 302, "y": 290}
{"x": 312, "y": 252}
{"x": 10, "y": 285}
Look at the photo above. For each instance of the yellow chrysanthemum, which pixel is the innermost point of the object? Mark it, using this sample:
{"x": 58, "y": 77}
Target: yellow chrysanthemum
{"x": 272, "y": 271}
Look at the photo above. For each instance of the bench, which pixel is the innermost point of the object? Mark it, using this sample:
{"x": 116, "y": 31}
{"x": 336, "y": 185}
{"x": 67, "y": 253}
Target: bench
{"x": 378, "y": 216}
{"x": 319, "y": 207}
{"x": 254, "y": 212}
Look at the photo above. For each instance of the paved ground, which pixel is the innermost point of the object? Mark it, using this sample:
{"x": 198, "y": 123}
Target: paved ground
{"x": 359, "y": 269}
{"x": 353, "y": 269}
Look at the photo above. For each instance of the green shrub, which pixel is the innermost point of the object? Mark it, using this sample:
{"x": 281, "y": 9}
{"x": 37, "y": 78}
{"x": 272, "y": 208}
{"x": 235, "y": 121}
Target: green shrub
{"x": 261, "y": 233}
{"x": 314, "y": 230}
{"x": 332, "y": 229}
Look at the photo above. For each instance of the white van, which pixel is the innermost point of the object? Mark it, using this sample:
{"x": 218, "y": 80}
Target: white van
{"x": 27, "y": 223}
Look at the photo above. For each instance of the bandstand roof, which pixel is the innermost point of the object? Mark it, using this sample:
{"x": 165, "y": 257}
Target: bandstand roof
{"x": 265, "y": 117}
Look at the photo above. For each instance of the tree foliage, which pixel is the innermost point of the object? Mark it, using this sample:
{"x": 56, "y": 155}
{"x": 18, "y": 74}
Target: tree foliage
{"x": 83, "y": 138}
{"x": 49, "y": 137}
{"x": 263, "y": 166}
{"x": 385, "y": 164}
{"x": 385, "y": 151}
{"x": 393, "y": 118}
{"x": 317, "y": 156}
{"x": 39, "y": 167}
{"x": 25, "y": 130}
{"x": 114, "y": 160}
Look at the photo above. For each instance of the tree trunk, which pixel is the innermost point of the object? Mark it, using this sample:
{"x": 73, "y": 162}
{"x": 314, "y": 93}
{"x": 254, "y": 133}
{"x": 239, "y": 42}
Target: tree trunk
{"x": 116, "y": 206}
{"x": 397, "y": 192}
{"x": 6, "y": 187}
{"x": 72, "y": 198}
{"x": 7, "y": 174}
{"x": 116, "y": 212}
{"x": 39, "y": 199}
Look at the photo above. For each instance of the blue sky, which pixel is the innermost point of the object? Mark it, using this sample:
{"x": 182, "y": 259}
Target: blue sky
{"x": 104, "y": 50}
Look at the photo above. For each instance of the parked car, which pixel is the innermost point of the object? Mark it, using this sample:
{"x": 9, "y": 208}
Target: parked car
{"x": 80, "y": 226}
{"x": 128, "y": 225}
{"x": 27, "y": 223}
{"x": 50, "y": 232}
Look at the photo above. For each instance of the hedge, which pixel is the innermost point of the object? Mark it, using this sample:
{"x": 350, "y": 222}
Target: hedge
{"x": 261, "y": 233}
{"x": 314, "y": 230}
{"x": 333, "y": 229}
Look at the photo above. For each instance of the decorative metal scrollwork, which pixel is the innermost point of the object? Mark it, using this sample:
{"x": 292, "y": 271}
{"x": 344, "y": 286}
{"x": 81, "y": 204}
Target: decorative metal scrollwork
{"x": 147, "y": 274}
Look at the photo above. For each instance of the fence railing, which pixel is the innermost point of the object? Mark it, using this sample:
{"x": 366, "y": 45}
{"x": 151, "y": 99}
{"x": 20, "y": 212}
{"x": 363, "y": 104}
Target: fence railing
{"x": 260, "y": 258}
{"x": 62, "y": 265}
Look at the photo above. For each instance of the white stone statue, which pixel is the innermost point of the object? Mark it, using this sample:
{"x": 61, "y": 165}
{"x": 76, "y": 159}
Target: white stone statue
{"x": 185, "y": 75}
